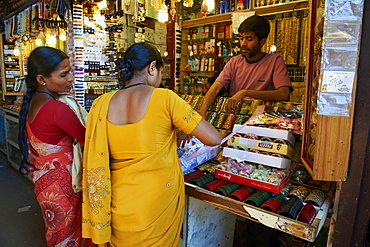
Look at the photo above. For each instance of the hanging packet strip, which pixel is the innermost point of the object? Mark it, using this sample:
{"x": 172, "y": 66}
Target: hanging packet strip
{"x": 197, "y": 153}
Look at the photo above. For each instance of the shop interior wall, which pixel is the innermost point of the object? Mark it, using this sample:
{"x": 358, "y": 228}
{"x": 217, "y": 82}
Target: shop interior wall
{"x": 352, "y": 220}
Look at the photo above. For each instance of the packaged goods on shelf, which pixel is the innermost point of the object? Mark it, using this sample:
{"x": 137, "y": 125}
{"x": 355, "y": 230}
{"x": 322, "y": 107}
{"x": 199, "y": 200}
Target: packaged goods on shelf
{"x": 276, "y": 146}
{"x": 267, "y": 132}
{"x": 274, "y": 188}
{"x": 254, "y": 175}
{"x": 242, "y": 155}
{"x": 286, "y": 116}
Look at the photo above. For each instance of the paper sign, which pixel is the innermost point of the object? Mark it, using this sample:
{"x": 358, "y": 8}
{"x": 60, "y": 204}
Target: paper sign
{"x": 337, "y": 81}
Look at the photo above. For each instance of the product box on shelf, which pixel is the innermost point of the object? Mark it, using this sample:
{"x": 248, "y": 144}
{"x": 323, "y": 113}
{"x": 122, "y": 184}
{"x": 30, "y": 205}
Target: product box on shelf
{"x": 241, "y": 155}
{"x": 262, "y": 185}
{"x": 266, "y": 146}
{"x": 267, "y": 132}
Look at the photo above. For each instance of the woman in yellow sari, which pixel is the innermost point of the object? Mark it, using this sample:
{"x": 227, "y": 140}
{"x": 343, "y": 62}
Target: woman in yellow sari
{"x": 132, "y": 182}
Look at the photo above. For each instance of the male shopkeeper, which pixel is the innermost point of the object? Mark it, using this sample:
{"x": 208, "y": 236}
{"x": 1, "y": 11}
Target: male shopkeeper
{"x": 252, "y": 74}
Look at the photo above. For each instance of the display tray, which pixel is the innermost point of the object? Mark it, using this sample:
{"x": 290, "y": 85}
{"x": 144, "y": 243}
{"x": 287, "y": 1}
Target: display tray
{"x": 241, "y": 155}
{"x": 265, "y": 146}
{"x": 267, "y": 132}
{"x": 296, "y": 228}
{"x": 274, "y": 188}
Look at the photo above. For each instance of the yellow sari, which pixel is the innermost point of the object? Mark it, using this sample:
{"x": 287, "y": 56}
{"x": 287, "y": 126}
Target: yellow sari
{"x": 146, "y": 191}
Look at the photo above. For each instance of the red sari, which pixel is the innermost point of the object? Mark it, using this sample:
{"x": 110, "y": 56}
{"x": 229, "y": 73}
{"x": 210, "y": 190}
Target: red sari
{"x": 60, "y": 206}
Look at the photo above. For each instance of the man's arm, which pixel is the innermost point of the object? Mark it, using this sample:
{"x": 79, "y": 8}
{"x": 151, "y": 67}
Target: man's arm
{"x": 210, "y": 97}
{"x": 280, "y": 94}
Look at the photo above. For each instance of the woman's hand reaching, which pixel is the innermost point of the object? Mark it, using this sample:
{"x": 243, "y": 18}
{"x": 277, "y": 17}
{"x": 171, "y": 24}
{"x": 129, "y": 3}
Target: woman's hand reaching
{"x": 182, "y": 139}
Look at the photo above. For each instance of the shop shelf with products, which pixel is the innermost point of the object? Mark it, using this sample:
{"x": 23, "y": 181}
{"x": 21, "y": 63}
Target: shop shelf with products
{"x": 205, "y": 50}
{"x": 12, "y": 67}
{"x": 292, "y": 16}
{"x": 198, "y": 58}
{"x": 227, "y": 44}
{"x": 275, "y": 8}
{"x": 294, "y": 227}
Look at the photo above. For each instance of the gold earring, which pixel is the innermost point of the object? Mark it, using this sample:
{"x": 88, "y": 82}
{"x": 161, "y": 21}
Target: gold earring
{"x": 44, "y": 84}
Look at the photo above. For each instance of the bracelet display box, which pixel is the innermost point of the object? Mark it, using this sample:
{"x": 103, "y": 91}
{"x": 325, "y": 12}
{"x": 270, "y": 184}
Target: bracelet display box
{"x": 241, "y": 155}
{"x": 262, "y": 185}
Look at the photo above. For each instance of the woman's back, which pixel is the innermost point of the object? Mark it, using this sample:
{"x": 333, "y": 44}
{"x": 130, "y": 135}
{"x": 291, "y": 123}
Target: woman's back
{"x": 129, "y": 105}
{"x": 155, "y": 122}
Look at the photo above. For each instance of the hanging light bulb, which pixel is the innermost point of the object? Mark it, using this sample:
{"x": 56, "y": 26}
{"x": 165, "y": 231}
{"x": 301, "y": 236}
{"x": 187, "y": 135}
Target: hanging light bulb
{"x": 163, "y": 13}
{"x": 273, "y": 48}
{"x": 210, "y": 4}
{"x": 38, "y": 41}
{"x": 102, "y": 4}
{"x": 62, "y": 36}
{"x": 52, "y": 40}
{"x": 16, "y": 49}
{"x": 40, "y": 38}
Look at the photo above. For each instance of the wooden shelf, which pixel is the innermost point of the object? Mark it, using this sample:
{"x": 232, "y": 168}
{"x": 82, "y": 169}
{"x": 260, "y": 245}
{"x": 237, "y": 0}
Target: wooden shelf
{"x": 264, "y": 10}
{"x": 276, "y": 221}
{"x": 207, "y": 20}
{"x": 11, "y": 111}
{"x": 13, "y": 94}
{"x": 282, "y": 8}
{"x": 13, "y": 143}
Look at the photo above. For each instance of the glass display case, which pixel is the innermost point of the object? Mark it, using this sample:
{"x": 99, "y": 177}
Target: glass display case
{"x": 12, "y": 67}
{"x": 330, "y": 91}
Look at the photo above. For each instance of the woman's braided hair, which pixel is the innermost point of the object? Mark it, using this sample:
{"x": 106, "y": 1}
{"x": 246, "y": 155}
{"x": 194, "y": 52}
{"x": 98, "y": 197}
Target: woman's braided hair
{"x": 42, "y": 60}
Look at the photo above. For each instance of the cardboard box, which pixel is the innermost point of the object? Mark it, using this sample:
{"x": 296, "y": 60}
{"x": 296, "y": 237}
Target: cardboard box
{"x": 267, "y": 132}
{"x": 262, "y": 185}
{"x": 241, "y": 155}
{"x": 265, "y": 146}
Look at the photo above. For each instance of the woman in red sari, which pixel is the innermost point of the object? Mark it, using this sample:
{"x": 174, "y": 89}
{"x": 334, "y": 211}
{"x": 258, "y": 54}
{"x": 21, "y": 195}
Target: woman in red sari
{"x": 47, "y": 130}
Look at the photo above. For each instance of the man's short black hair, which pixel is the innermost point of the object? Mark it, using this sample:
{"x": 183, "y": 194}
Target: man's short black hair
{"x": 257, "y": 24}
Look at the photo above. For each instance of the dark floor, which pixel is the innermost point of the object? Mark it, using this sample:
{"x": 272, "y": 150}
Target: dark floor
{"x": 21, "y": 222}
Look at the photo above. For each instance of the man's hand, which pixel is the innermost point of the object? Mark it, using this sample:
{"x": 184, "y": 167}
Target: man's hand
{"x": 235, "y": 101}
{"x": 209, "y": 98}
